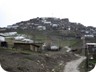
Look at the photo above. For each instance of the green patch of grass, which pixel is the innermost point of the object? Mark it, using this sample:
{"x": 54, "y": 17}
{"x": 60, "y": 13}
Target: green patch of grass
{"x": 72, "y": 42}
{"x": 92, "y": 62}
{"x": 82, "y": 66}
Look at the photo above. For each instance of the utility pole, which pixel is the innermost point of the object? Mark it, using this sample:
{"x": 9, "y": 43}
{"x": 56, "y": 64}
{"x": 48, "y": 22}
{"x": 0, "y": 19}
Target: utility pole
{"x": 83, "y": 48}
{"x": 85, "y": 52}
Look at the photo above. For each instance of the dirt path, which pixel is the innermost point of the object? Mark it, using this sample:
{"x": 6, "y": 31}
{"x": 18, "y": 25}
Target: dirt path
{"x": 72, "y": 66}
{"x": 68, "y": 49}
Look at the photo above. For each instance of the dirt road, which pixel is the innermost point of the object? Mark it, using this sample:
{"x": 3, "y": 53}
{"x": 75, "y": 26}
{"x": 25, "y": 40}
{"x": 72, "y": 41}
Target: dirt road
{"x": 72, "y": 66}
{"x": 68, "y": 49}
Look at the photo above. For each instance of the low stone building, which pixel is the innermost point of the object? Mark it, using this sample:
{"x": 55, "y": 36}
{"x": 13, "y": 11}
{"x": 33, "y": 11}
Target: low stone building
{"x": 36, "y": 47}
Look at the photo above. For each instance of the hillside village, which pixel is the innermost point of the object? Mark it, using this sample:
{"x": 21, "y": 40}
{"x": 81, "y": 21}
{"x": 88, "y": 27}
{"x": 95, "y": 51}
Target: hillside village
{"x": 46, "y": 45}
{"x": 47, "y": 24}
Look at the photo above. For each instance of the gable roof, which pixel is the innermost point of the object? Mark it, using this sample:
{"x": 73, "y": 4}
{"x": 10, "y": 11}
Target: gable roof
{"x": 91, "y": 44}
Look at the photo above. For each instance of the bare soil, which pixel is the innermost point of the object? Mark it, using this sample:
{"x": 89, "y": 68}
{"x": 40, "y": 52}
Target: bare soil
{"x": 21, "y": 61}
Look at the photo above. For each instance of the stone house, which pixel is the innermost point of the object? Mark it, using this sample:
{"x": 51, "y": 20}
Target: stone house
{"x": 36, "y": 47}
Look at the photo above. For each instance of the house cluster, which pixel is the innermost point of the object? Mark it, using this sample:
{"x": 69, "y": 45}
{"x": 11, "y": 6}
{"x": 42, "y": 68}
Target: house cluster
{"x": 89, "y": 32}
{"x": 37, "y": 24}
{"x": 2, "y": 29}
{"x": 35, "y": 46}
{"x": 9, "y": 33}
{"x": 12, "y": 26}
{"x": 28, "y": 44}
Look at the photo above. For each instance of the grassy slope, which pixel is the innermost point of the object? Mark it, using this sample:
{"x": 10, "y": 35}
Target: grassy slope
{"x": 44, "y": 36}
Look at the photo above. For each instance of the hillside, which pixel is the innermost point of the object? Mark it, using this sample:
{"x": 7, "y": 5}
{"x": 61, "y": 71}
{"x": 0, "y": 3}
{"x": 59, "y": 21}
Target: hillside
{"x": 48, "y": 25}
{"x": 62, "y": 33}
{"x": 51, "y": 29}
{"x": 21, "y": 61}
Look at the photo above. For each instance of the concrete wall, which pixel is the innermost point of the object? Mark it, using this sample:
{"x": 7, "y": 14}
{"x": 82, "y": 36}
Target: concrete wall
{"x": 2, "y": 38}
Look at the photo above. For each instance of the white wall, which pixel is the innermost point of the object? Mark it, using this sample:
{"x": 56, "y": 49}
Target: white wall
{"x": 2, "y": 38}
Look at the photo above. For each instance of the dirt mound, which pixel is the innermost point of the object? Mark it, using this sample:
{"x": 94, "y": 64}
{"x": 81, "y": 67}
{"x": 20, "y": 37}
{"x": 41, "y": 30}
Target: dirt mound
{"x": 13, "y": 61}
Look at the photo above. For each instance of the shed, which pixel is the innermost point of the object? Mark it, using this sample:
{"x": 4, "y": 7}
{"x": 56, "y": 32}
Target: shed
{"x": 91, "y": 50}
{"x": 91, "y": 47}
{"x": 54, "y": 47}
{"x": 36, "y": 47}
{"x": 19, "y": 38}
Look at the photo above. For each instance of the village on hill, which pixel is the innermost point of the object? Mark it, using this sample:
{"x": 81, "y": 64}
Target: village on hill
{"x": 48, "y": 45}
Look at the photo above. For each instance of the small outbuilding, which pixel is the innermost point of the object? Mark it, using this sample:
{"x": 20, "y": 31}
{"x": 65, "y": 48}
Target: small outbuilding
{"x": 91, "y": 50}
{"x": 91, "y": 47}
{"x": 36, "y": 47}
{"x": 3, "y": 42}
{"x": 55, "y": 48}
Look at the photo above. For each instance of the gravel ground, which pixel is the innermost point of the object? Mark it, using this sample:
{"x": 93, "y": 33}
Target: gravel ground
{"x": 16, "y": 61}
{"x": 73, "y": 66}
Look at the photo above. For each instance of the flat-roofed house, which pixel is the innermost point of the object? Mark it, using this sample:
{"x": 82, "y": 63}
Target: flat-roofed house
{"x": 91, "y": 47}
{"x": 36, "y": 47}
{"x": 91, "y": 50}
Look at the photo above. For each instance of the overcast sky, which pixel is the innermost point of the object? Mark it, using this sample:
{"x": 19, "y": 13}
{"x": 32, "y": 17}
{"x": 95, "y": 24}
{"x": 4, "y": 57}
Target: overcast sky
{"x": 82, "y": 11}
